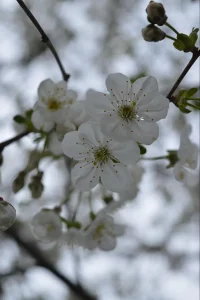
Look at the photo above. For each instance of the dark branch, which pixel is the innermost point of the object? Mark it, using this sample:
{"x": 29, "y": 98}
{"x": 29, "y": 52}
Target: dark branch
{"x": 34, "y": 251}
{"x": 195, "y": 56}
{"x": 45, "y": 38}
{"x": 13, "y": 140}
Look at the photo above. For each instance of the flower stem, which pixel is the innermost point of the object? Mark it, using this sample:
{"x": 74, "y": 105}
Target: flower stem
{"x": 195, "y": 56}
{"x": 13, "y": 140}
{"x": 45, "y": 38}
{"x": 171, "y": 27}
{"x": 170, "y": 37}
{"x": 155, "y": 158}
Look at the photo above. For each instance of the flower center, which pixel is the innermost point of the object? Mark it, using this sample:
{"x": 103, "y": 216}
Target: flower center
{"x": 127, "y": 112}
{"x": 98, "y": 232}
{"x": 101, "y": 155}
{"x": 54, "y": 105}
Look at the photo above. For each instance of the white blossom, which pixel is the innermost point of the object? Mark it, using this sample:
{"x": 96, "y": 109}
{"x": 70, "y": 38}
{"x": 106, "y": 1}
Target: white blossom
{"x": 100, "y": 159}
{"x": 7, "y": 215}
{"x": 102, "y": 233}
{"x": 130, "y": 111}
{"x": 54, "y": 100}
{"x": 47, "y": 226}
{"x": 187, "y": 155}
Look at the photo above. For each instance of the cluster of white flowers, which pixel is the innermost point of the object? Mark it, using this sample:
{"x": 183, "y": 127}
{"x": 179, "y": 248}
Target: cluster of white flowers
{"x": 103, "y": 143}
{"x": 102, "y": 136}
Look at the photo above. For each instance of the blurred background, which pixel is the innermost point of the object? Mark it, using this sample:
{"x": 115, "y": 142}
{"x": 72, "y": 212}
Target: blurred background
{"x": 158, "y": 257}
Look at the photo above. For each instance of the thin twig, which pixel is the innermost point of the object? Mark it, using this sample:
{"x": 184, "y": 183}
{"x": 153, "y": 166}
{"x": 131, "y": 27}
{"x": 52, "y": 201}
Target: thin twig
{"x": 41, "y": 260}
{"x": 45, "y": 38}
{"x": 195, "y": 56}
{"x": 13, "y": 140}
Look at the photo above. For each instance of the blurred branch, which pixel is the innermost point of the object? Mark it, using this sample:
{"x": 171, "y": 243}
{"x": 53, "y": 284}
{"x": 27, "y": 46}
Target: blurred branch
{"x": 41, "y": 260}
{"x": 13, "y": 140}
{"x": 195, "y": 56}
{"x": 45, "y": 38}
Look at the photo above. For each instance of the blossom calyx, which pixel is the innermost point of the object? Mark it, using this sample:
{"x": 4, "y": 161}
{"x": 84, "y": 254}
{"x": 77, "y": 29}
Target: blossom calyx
{"x": 36, "y": 186}
{"x": 152, "y": 33}
{"x": 19, "y": 182}
{"x": 156, "y": 13}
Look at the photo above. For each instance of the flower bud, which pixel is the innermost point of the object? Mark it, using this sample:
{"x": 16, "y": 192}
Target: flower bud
{"x": 36, "y": 186}
{"x": 156, "y": 13}
{"x": 152, "y": 33}
{"x": 7, "y": 215}
{"x": 19, "y": 181}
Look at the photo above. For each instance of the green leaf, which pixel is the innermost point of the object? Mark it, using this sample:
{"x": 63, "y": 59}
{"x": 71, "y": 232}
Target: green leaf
{"x": 143, "y": 150}
{"x": 194, "y": 35}
{"x": 19, "y": 119}
{"x": 186, "y": 40}
{"x": 184, "y": 110}
{"x": 179, "y": 45}
{"x": 191, "y": 92}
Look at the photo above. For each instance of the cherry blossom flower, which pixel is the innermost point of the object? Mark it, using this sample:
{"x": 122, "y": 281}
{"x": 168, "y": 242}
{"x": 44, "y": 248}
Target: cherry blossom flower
{"x": 130, "y": 111}
{"x": 7, "y": 215}
{"x": 187, "y": 155}
{"x": 102, "y": 233}
{"x": 100, "y": 159}
{"x": 54, "y": 100}
{"x": 46, "y": 226}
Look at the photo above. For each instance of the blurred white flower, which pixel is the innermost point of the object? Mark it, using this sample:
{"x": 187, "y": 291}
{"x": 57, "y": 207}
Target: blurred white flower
{"x": 130, "y": 111}
{"x": 7, "y": 215}
{"x": 102, "y": 233}
{"x": 54, "y": 100}
{"x": 47, "y": 226}
{"x": 187, "y": 155}
{"x": 100, "y": 159}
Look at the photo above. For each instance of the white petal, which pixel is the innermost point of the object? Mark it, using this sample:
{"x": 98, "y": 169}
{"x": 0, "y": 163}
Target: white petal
{"x": 45, "y": 89}
{"x": 71, "y": 96}
{"x": 85, "y": 176}
{"x": 145, "y": 89}
{"x": 180, "y": 173}
{"x": 73, "y": 147}
{"x": 107, "y": 243}
{"x": 156, "y": 110}
{"x": 118, "y": 229}
{"x": 39, "y": 122}
{"x": 91, "y": 133}
{"x": 115, "y": 177}
{"x": 96, "y": 104}
{"x": 55, "y": 145}
{"x": 118, "y": 85}
{"x": 127, "y": 152}
{"x": 145, "y": 132}
{"x": 113, "y": 127}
